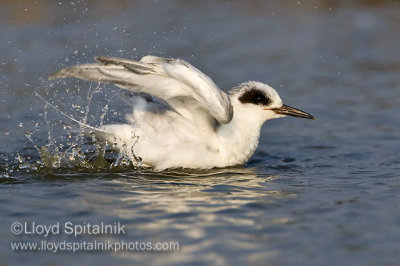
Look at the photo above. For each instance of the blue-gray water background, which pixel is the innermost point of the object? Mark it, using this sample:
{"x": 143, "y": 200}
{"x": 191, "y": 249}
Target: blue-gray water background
{"x": 322, "y": 192}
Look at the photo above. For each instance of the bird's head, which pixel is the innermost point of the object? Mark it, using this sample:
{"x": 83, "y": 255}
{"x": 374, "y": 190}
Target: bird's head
{"x": 261, "y": 101}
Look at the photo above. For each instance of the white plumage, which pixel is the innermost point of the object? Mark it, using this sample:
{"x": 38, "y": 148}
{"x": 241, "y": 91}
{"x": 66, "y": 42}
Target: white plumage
{"x": 188, "y": 122}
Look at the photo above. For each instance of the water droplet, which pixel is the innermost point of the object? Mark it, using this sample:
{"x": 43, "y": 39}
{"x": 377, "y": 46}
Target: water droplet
{"x": 19, "y": 158}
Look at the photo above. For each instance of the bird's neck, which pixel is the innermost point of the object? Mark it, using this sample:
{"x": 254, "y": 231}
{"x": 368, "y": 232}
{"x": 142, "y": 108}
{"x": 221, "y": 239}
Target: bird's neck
{"x": 239, "y": 138}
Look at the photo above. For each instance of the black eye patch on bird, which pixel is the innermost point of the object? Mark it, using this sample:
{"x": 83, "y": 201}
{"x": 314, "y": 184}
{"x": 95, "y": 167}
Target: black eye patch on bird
{"x": 255, "y": 97}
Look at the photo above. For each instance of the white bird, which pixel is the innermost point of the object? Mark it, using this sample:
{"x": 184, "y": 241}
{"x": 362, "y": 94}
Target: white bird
{"x": 180, "y": 118}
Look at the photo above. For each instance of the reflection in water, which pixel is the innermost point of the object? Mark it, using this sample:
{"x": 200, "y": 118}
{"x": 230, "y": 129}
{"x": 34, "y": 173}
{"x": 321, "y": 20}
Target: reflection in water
{"x": 180, "y": 192}
{"x": 188, "y": 207}
{"x": 206, "y": 212}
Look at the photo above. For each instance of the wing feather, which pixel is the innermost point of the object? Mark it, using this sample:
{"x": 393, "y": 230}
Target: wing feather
{"x": 172, "y": 80}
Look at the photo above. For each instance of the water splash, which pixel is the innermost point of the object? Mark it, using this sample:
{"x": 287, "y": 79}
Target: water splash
{"x": 75, "y": 144}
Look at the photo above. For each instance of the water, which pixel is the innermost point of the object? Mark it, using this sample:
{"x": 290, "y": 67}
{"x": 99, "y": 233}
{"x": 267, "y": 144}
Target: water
{"x": 315, "y": 193}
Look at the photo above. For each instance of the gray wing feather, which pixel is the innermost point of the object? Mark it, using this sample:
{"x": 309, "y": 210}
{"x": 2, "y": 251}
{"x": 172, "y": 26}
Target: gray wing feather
{"x": 167, "y": 79}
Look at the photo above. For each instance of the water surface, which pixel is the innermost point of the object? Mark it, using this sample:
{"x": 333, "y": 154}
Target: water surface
{"x": 314, "y": 193}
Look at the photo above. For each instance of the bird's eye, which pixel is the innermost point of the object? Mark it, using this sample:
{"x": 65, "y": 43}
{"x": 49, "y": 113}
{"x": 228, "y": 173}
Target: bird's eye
{"x": 254, "y": 96}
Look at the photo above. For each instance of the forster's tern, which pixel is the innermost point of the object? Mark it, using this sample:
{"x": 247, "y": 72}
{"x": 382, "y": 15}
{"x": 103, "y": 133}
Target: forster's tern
{"x": 180, "y": 118}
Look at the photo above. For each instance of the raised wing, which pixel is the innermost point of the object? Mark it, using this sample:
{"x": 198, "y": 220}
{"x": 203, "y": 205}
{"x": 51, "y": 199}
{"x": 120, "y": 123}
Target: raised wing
{"x": 182, "y": 86}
